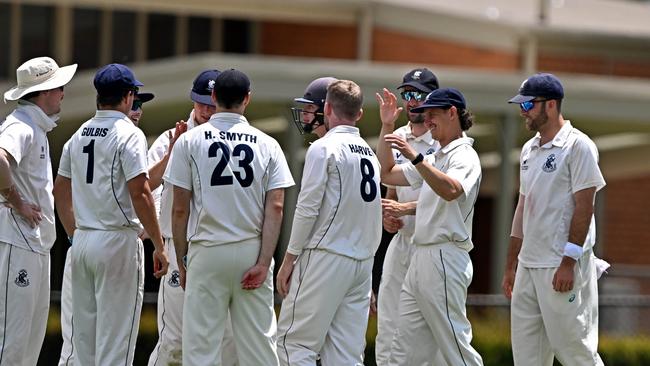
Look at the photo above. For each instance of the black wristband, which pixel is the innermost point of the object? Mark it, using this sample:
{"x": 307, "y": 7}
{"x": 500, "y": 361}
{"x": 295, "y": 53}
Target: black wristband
{"x": 418, "y": 159}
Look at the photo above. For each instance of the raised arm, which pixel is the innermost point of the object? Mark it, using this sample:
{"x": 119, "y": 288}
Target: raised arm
{"x": 388, "y": 112}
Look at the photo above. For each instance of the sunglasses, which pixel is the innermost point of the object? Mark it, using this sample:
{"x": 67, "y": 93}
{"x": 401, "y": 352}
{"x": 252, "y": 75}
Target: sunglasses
{"x": 137, "y": 104}
{"x": 527, "y": 106}
{"x": 411, "y": 94}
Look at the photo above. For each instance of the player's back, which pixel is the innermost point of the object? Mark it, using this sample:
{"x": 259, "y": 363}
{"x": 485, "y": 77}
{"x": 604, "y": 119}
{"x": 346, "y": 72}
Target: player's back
{"x": 349, "y": 221}
{"x": 229, "y": 166}
{"x": 103, "y": 155}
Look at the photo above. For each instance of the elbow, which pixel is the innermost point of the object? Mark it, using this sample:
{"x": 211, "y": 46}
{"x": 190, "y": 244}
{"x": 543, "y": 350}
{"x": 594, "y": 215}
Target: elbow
{"x": 451, "y": 195}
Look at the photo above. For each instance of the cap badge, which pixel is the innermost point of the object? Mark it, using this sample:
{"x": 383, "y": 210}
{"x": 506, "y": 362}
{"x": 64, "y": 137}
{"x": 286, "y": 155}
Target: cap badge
{"x": 416, "y": 75}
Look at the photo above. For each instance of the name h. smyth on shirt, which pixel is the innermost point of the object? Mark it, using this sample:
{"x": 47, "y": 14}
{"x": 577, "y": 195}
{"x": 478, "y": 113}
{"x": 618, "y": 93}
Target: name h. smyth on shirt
{"x": 94, "y": 132}
{"x": 232, "y": 136}
{"x": 363, "y": 150}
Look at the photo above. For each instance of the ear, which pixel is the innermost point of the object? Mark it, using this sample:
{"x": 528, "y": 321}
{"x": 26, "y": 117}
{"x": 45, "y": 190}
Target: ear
{"x": 359, "y": 115}
{"x": 247, "y": 99}
{"x": 327, "y": 109}
{"x": 213, "y": 96}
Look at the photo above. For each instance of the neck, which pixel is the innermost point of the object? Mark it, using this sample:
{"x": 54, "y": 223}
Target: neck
{"x": 238, "y": 110}
{"x": 550, "y": 129}
{"x": 333, "y": 122}
{"x": 418, "y": 129}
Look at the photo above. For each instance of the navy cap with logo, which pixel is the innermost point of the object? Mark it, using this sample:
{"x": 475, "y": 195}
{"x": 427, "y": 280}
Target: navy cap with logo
{"x": 145, "y": 97}
{"x": 202, "y": 87}
{"x": 541, "y": 85}
{"x": 421, "y": 79}
{"x": 232, "y": 82}
{"x": 115, "y": 78}
{"x": 442, "y": 98}
{"x": 316, "y": 91}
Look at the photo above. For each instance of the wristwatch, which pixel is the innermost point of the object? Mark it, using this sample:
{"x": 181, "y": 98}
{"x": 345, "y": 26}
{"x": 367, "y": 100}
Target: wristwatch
{"x": 418, "y": 159}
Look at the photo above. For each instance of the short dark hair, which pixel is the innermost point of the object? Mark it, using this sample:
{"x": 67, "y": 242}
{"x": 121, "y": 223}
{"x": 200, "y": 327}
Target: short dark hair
{"x": 228, "y": 100}
{"x": 112, "y": 98}
{"x": 346, "y": 98}
{"x": 231, "y": 88}
{"x": 559, "y": 105}
{"x": 31, "y": 95}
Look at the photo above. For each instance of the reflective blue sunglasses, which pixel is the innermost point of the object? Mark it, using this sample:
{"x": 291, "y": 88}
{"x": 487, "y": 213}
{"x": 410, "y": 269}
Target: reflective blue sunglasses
{"x": 412, "y": 94}
{"x": 527, "y": 106}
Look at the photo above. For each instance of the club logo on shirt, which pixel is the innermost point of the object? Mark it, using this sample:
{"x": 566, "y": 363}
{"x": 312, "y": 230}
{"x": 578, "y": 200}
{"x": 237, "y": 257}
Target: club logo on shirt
{"x": 572, "y": 297}
{"x": 549, "y": 166}
{"x": 174, "y": 279}
{"x": 524, "y": 166}
{"x": 430, "y": 151}
{"x": 22, "y": 280}
{"x": 42, "y": 152}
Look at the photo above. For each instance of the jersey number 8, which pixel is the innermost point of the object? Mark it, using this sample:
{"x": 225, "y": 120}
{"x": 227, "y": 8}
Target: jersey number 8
{"x": 367, "y": 182}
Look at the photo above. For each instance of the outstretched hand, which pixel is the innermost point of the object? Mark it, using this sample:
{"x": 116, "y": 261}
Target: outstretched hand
{"x": 399, "y": 143}
{"x": 181, "y": 128}
{"x": 389, "y": 111}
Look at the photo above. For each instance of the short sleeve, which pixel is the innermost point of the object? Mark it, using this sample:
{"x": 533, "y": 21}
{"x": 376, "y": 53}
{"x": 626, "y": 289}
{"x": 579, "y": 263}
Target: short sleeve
{"x": 158, "y": 149}
{"x": 583, "y": 166}
{"x": 179, "y": 170}
{"x": 465, "y": 167}
{"x": 65, "y": 169}
{"x": 279, "y": 173}
{"x": 16, "y": 139}
{"x": 134, "y": 155}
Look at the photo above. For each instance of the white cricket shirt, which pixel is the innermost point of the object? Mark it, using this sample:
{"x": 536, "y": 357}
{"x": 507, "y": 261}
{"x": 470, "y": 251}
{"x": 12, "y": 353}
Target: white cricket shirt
{"x": 229, "y": 166}
{"x": 438, "y": 221}
{"x": 425, "y": 145}
{"x": 163, "y": 194}
{"x": 339, "y": 205}
{"x": 23, "y": 136}
{"x": 108, "y": 150}
{"x": 549, "y": 177}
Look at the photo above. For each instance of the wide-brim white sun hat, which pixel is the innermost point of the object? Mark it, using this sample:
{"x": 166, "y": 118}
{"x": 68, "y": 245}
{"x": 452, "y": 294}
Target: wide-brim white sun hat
{"x": 37, "y": 74}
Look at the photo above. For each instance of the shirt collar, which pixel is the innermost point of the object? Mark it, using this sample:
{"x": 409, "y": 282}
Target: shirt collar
{"x": 37, "y": 116}
{"x": 426, "y": 137}
{"x": 228, "y": 117}
{"x": 457, "y": 142}
{"x": 560, "y": 137}
{"x": 343, "y": 129}
{"x": 110, "y": 113}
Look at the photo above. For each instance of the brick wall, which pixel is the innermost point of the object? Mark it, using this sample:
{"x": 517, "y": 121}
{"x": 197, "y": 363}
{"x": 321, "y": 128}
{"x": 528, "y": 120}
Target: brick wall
{"x": 308, "y": 40}
{"x": 393, "y": 46}
{"x": 593, "y": 65}
{"x": 626, "y": 221}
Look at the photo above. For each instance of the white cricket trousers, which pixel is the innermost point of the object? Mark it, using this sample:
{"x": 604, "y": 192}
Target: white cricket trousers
{"x": 432, "y": 308}
{"x": 396, "y": 263}
{"x": 24, "y": 304}
{"x": 547, "y": 323}
{"x": 326, "y": 311}
{"x": 67, "y": 355}
{"x": 168, "y": 350}
{"x": 213, "y": 286}
{"x": 107, "y": 290}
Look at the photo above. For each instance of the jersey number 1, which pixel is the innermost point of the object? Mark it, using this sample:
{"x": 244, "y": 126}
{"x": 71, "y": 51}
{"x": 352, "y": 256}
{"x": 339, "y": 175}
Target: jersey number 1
{"x": 218, "y": 179}
{"x": 90, "y": 168}
{"x": 367, "y": 175}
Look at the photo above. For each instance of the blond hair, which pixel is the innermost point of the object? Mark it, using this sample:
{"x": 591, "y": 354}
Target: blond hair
{"x": 345, "y": 98}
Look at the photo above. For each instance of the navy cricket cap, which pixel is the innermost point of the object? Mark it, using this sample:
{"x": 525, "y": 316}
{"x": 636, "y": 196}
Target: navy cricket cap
{"x": 232, "y": 82}
{"x": 115, "y": 78}
{"x": 421, "y": 79}
{"x": 202, "y": 87}
{"x": 316, "y": 91}
{"x": 442, "y": 98}
{"x": 543, "y": 85}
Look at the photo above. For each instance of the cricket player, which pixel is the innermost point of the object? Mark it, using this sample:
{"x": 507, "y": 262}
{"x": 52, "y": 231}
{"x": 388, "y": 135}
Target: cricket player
{"x": 27, "y": 230}
{"x": 310, "y": 118}
{"x": 229, "y": 180}
{"x": 325, "y": 276}
{"x": 432, "y": 315}
{"x": 103, "y": 200}
{"x": 66, "y": 357}
{"x": 168, "y": 350}
{"x": 399, "y": 205}
{"x": 551, "y": 271}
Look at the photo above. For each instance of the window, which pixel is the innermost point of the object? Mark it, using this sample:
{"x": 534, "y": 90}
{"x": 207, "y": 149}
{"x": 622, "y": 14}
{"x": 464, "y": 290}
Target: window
{"x": 199, "y": 34}
{"x": 237, "y": 36}
{"x": 123, "y": 37}
{"x": 85, "y": 46}
{"x": 36, "y": 30}
{"x": 161, "y": 36}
